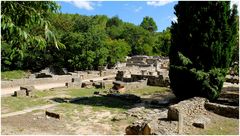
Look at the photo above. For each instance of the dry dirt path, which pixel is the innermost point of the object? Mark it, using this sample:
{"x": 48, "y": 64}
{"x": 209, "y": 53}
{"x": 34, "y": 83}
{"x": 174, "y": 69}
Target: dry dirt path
{"x": 9, "y": 91}
{"x": 28, "y": 110}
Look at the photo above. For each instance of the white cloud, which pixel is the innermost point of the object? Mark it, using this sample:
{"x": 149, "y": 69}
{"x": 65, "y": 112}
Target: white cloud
{"x": 138, "y": 9}
{"x": 159, "y": 3}
{"x": 82, "y": 4}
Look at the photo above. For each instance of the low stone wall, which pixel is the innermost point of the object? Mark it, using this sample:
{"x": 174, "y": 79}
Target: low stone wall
{"x": 120, "y": 86}
{"x": 26, "y": 81}
{"x": 136, "y": 85}
{"x": 224, "y": 110}
{"x": 32, "y": 80}
{"x": 186, "y": 108}
{"x": 152, "y": 80}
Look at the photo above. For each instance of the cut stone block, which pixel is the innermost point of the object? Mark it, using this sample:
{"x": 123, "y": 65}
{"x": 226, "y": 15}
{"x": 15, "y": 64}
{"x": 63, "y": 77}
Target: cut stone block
{"x": 20, "y": 93}
{"x": 201, "y": 122}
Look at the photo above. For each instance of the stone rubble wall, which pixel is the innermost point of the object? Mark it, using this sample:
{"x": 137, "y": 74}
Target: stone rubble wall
{"x": 135, "y": 85}
{"x": 56, "y": 78}
{"x": 224, "y": 110}
{"x": 154, "y": 79}
{"x": 187, "y": 108}
{"x": 26, "y": 81}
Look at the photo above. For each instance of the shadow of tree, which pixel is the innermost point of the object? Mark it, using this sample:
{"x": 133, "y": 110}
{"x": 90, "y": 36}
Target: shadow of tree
{"x": 110, "y": 101}
{"x": 98, "y": 101}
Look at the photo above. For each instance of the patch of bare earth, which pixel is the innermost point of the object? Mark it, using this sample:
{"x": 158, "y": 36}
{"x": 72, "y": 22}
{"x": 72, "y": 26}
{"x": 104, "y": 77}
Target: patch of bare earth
{"x": 33, "y": 123}
{"x": 93, "y": 122}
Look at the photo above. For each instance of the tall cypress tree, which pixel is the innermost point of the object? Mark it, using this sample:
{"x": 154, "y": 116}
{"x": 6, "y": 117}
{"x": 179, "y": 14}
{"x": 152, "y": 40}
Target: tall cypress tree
{"x": 202, "y": 45}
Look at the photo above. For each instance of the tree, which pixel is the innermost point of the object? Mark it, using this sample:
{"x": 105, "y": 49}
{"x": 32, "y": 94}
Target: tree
{"x": 203, "y": 40}
{"x": 118, "y": 49}
{"x": 163, "y": 43}
{"x": 149, "y": 24}
{"x": 140, "y": 40}
{"x": 25, "y": 26}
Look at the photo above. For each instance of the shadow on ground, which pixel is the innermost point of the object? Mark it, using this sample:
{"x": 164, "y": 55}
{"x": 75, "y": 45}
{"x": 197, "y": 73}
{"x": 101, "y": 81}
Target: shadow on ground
{"x": 112, "y": 101}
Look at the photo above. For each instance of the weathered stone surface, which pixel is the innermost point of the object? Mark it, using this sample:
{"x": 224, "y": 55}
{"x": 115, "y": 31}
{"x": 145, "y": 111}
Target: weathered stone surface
{"x": 119, "y": 117}
{"x": 20, "y": 93}
{"x": 232, "y": 79}
{"x": 87, "y": 84}
{"x": 138, "y": 128}
{"x": 186, "y": 107}
{"x": 28, "y": 88}
{"x": 99, "y": 84}
{"x": 224, "y": 110}
{"x": 201, "y": 122}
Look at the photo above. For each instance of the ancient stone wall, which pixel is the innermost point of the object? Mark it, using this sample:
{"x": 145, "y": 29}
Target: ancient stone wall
{"x": 186, "y": 108}
{"x": 125, "y": 86}
{"x": 26, "y": 81}
{"x": 55, "y": 78}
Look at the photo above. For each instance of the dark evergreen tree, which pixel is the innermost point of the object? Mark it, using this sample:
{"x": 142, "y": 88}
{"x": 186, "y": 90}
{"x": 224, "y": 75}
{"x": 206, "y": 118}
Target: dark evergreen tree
{"x": 201, "y": 50}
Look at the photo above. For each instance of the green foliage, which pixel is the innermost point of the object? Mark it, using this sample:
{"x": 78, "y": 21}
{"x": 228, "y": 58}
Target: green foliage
{"x": 149, "y": 24}
{"x": 25, "y": 26}
{"x": 203, "y": 40}
{"x": 140, "y": 40}
{"x": 118, "y": 49}
{"x": 83, "y": 42}
{"x": 162, "y": 43}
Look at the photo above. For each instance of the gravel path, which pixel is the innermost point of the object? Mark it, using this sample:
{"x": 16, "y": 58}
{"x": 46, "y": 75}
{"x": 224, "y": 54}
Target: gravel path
{"x": 9, "y": 91}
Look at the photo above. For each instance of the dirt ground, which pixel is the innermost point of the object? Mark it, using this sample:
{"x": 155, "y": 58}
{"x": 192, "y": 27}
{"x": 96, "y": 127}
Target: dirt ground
{"x": 93, "y": 118}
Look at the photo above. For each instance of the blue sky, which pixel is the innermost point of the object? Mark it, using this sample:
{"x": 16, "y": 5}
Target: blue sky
{"x": 130, "y": 11}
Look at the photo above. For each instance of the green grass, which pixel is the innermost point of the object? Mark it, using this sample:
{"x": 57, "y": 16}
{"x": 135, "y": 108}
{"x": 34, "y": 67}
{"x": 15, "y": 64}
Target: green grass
{"x": 228, "y": 127}
{"x": 15, "y": 74}
{"x": 82, "y": 92}
{"x": 21, "y": 103}
{"x": 45, "y": 93}
{"x": 148, "y": 90}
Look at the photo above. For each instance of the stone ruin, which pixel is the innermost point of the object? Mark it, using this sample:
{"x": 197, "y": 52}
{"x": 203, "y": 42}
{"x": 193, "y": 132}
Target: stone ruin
{"x": 121, "y": 87}
{"x": 152, "y": 69}
{"x": 24, "y": 91}
{"x": 148, "y": 61}
{"x": 180, "y": 116}
{"x": 232, "y": 79}
{"x": 76, "y": 82}
{"x": 156, "y": 79}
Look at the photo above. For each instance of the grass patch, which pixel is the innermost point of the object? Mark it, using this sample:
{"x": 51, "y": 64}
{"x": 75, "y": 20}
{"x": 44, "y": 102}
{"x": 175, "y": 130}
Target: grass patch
{"x": 21, "y": 103}
{"x": 83, "y": 92}
{"x": 148, "y": 90}
{"x": 229, "y": 127}
{"x": 15, "y": 74}
{"x": 45, "y": 93}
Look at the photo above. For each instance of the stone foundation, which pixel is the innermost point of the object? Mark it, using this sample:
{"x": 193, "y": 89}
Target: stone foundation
{"x": 186, "y": 108}
{"x": 224, "y": 110}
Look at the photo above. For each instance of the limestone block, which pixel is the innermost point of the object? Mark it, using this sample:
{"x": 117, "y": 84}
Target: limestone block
{"x": 20, "y": 93}
{"x": 201, "y": 122}
{"x": 138, "y": 129}
{"x": 29, "y": 88}
{"x": 186, "y": 107}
